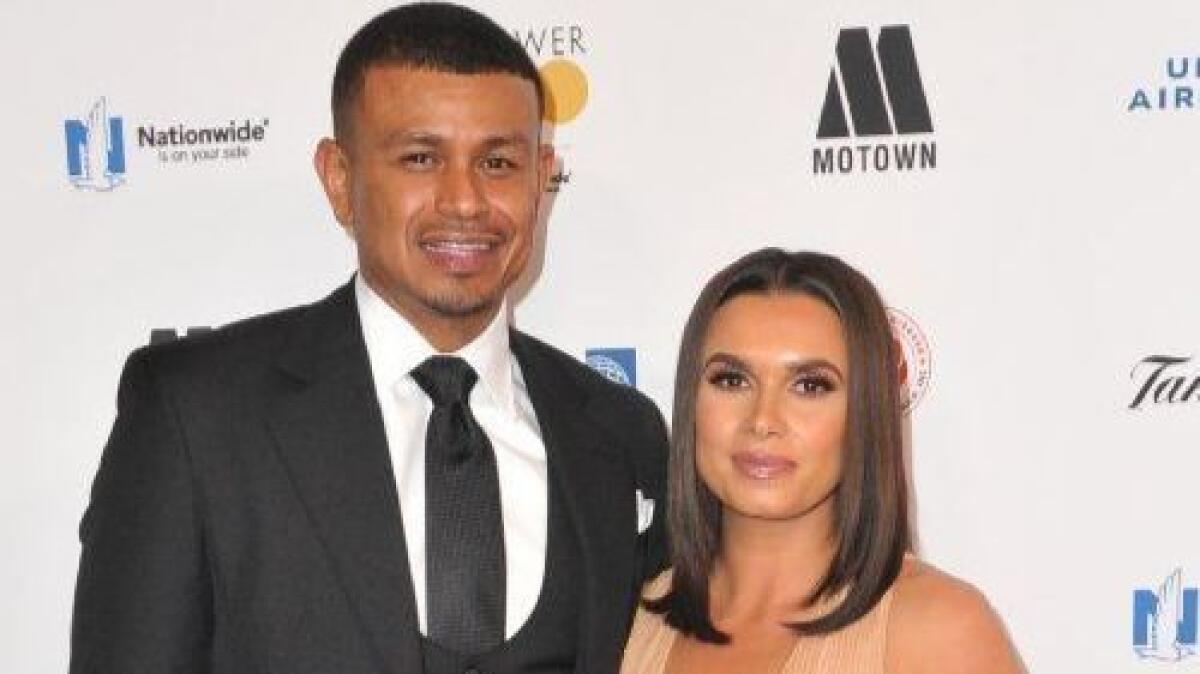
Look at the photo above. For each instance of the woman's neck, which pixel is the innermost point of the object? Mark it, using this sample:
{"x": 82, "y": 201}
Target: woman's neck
{"x": 766, "y": 569}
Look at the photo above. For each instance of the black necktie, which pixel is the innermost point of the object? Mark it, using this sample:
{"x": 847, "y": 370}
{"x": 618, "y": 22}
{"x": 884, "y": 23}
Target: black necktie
{"x": 464, "y": 535}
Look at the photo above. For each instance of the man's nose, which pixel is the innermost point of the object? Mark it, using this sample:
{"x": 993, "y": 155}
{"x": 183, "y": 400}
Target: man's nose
{"x": 460, "y": 193}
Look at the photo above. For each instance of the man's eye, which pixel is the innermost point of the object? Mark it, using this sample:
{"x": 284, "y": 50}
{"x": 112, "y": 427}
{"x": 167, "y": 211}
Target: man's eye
{"x": 499, "y": 164}
{"x": 814, "y": 384}
{"x": 729, "y": 379}
{"x": 421, "y": 160}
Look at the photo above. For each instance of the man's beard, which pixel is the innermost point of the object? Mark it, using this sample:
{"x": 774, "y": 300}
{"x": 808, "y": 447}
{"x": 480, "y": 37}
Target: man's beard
{"x": 460, "y": 305}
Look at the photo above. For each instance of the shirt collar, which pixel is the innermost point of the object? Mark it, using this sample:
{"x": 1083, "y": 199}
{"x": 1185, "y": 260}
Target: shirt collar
{"x": 395, "y": 347}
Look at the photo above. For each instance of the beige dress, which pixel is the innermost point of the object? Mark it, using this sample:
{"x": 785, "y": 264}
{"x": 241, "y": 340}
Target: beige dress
{"x": 856, "y": 649}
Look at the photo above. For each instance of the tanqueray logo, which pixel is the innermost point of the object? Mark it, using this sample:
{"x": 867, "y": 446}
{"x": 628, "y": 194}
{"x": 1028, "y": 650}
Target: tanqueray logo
{"x": 1165, "y": 380}
{"x": 865, "y": 100}
{"x": 1165, "y": 620}
{"x": 619, "y": 365}
{"x": 96, "y": 149}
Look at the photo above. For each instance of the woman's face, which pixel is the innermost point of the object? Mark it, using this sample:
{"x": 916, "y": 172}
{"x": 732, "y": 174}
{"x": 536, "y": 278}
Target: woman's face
{"x": 771, "y": 405}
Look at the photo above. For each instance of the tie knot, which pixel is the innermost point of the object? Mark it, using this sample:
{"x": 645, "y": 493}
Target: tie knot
{"x": 445, "y": 379}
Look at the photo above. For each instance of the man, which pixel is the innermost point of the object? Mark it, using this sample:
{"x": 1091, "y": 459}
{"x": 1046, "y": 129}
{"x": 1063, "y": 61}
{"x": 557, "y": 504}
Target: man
{"x": 390, "y": 480}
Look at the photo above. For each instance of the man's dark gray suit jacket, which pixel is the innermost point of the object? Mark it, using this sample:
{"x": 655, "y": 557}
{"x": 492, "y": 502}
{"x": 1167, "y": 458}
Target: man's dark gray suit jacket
{"x": 244, "y": 518}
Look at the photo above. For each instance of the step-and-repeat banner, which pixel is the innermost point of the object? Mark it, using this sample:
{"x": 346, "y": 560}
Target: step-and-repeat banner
{"x": 1019, "y": 178}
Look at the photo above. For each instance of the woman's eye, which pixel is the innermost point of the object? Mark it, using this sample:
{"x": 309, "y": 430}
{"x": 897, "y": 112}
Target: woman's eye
{"x": 730, "y": 379}
{"x": 813, "y": 384}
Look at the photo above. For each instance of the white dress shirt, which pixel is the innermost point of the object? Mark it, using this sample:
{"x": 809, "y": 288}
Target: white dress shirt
{"x": 501, "y": 405}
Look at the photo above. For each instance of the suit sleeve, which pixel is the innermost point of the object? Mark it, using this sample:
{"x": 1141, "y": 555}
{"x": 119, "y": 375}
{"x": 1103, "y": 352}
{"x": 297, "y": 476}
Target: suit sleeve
{"x": 143, "y": 600}
{"x": 653, "y": 462}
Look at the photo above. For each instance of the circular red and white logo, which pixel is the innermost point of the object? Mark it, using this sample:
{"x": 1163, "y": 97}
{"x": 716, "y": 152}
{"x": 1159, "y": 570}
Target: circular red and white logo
{"x": 913, "y": 356}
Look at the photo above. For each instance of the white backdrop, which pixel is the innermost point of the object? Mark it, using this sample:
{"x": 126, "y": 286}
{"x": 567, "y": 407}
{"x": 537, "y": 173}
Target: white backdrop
{"x": 1050, "y": 251}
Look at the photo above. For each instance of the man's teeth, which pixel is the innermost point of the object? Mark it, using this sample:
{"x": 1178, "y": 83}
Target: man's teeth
{"x": 458, "y": 246}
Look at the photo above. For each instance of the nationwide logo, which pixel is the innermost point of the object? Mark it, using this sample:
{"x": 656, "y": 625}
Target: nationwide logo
{"x": 182, "y": 143}
{"x": 1172, "y": 93}
{"x": 873, "y": 91}
{"x": 96, "y": 149}
{"x": 1164, "y": 380}
{"x": 1165, "y": 620}
{"x": 618, "y": 364}
{"x": 913, "y": 358}
{"x": 559, "y": 48}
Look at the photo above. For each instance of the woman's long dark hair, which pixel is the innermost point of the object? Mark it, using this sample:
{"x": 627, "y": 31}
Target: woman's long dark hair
{"x": 870, "y": 512}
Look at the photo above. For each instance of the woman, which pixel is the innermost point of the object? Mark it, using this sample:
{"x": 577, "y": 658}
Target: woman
{"x": 787, "y": 508}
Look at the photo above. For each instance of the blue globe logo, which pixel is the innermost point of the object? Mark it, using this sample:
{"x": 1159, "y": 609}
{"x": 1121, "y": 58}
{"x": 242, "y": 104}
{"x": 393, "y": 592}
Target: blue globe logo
{"x": 610, "y": 368}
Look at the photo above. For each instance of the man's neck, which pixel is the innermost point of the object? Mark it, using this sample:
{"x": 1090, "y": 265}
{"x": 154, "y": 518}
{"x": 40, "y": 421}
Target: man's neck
{"x": 449, "y": 334}
{"x": 446, "y": 333}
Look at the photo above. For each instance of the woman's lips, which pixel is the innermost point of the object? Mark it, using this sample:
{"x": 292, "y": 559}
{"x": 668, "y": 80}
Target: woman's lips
{"x": 762, "y": 465}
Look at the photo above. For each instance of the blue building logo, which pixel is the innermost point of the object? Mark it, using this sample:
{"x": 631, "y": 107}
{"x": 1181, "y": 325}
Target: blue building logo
{"x": 96, "y": 149}
{"x": 619, "y": 365}
{"x": 1165, "y": 620}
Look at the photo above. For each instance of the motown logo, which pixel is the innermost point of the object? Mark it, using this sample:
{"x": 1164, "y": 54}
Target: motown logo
{"x": 1165, "y": 620}
{"x": 619, "y": 365}
{"x": 871, "y": 110}
{"x": 96, "y": 149}
{"x": 914, "y": 361}
{"x": 873, "y": 91}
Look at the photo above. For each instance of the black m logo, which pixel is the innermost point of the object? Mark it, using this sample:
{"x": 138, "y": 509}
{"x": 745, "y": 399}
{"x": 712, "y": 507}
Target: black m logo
{"x": 865, "y": 87}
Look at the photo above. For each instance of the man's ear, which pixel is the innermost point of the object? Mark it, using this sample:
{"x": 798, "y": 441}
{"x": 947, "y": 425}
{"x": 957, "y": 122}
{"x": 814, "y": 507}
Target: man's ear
{"x": 333, "y": 168}
{"x": 546, "y": 165}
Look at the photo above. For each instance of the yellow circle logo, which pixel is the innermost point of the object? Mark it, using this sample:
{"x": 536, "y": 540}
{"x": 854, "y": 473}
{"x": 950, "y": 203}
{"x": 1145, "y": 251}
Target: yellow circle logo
{"x": 566, "y": 90}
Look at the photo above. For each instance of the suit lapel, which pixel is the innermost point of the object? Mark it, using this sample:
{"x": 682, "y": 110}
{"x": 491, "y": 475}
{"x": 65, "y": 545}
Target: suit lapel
{"x": 329, "y": 431}
{"x": 594, "y": 475}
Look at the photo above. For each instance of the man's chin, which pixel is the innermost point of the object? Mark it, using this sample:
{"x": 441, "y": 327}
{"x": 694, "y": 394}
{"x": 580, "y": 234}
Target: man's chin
{"x": 461, "y": 306}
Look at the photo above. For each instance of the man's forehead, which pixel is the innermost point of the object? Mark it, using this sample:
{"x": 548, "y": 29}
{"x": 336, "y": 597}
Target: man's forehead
{"x": 404, "y": 91}
{"x": 434, "y": 135}
{"x": 390, "y": 76}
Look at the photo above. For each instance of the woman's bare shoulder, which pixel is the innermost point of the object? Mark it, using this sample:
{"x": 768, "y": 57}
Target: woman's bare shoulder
{"x": 939, "y": 623}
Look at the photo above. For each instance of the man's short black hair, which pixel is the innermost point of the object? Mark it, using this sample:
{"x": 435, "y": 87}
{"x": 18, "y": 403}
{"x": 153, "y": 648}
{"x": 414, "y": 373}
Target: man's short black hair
{"x": 435, "y": 36}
